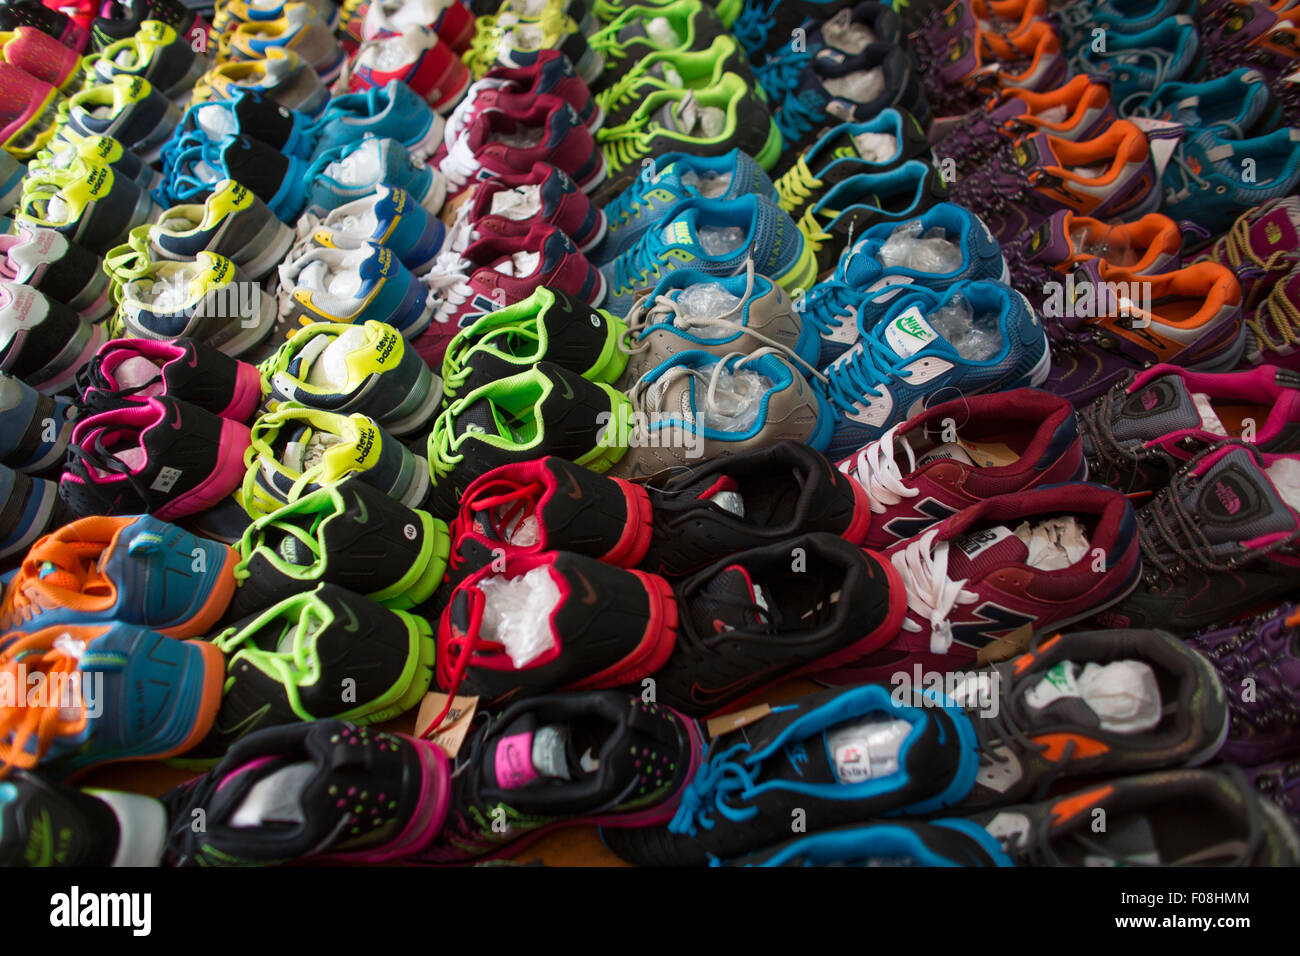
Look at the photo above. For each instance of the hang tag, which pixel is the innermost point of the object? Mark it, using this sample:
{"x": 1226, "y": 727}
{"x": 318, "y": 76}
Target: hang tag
{"x": 992, "y": 454}
{"x": 455, "y": 725}
{"x": 734, "y": 721}
{"x": 1004, "y": 648}
{"x": 1163, "y": 138}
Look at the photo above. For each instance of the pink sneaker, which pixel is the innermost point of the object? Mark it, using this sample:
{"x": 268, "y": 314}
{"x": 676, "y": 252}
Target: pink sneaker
{"x": 29, "y": 111}
{"x": 419, "y": 59}
{"x": 161, "y": 456}
{"x": 544, "y": 194}
{"x": 1273, "y": 329}
{"x": 480, "y": 150}
{"x": 504, "y": 265}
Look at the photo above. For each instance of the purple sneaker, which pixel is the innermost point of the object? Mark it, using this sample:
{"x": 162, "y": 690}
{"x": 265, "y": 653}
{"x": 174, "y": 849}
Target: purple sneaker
{"x": 1262, "y": 246}
{"x": 982, "y": 62}
{"x": 1280, "y": 783}
{"x": 1105, "y": 322}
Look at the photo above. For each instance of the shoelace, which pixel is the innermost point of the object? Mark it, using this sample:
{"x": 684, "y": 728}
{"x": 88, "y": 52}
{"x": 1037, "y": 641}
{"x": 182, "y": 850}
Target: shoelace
{"x": 448, "y": 284}
{"x": 864, "y": 374}
{"x": 639, "y": 263}
{"x": 815, "y": 234}
{"x": 56, "y": 570}
{"x": 298, "y": 666}
{"x": 1236, "y": 247}
{"x": 443, "y": 444}
{"x": 626, "y": 206}
{"x": 1162, "y": 68}
{"x": 876, "y": 469}
{"x": 1285, "y": 319}
{"x": 625, "y": 145}
{"x": 460, "y": 165}
{"x": 58, "y": 660}
{"x": 722, "y": 776}
{"x": 931, "y": 594}
{"x": 781, "y": 73}
{"x": 991, "y": 196}
{"x": 456, "y": 372}
{"x": 256, "y": 537}
{"x": 753, "y": 24}
{"x": 523, "y": 500}
{"x": 1275, "y": 702}
{"x": 1097, "y": 422}
{"x": 648, "y": 396}
{"x": 798, "y": 185}
{"x": 800, "y": 114}
{"x": 460, "y": 118}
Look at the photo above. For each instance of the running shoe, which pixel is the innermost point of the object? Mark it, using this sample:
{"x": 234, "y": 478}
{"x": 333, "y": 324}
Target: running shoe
{"x": 342, "y": 793}
{"x": 416, "y": 57}
{"x": 34, "y": 428}
{"x": 137, "y": 570}
{"x": 281, "y": 77}
{"x": 896, "y": 843}
{"x": 61, "y": 270}
{"x": 43, "y": 57}
{"x": 127, "y": 108}
{"x": 543, "y": 194}
{"x": 671, "y": 70}
{"x": 156, "y": 53}
{"x": 1273, "y": 331}
{"x": 257, "y": 116}
{"x": 49, "y": 21}
{"x": 118, "y": 20}
{"x": 450, "y": 19}
{"x": 195, "y": 166}
{"x": 31, "y": 507}
{"x": 978, "y": 63}
{"x": 68, "y": 145}
{"x": 230, "y": 13}
{"x": 958, "y": 453}
{"x": 641, "y": 30}
{"x": 1137, "y": 64}
{"x": 43, "y": 342}
{"x": 507, "y": 87}
{"x": 1239, "y": 103}
{"x": 157, "y": 697}
{"x": 389, "y": 112}
{"x": 30, "y": 116}
{"x": 851, "y": 30}
{"x": 1262, "y": 246}
{"x": 353, "y": 286}
{"x": 346, "y": 173}
{"x": 88, "y": 203}
{"x": 599, "y": 757}
{"x": 1144, "y": 429}
{"x": 124, "y": 461}
{"x": 300, "y": 30}
{"x": 12, "y": 174}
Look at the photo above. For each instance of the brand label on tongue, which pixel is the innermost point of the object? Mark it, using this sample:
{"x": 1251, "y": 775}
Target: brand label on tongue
{"x": 686, "y": 113}
{"x": 977, "y": 542}
{"x": 909, "y": 333}
{"x": 1056, "y": 683}
{"x": 1228, "y": 496}
{"x": 679, "y": 233}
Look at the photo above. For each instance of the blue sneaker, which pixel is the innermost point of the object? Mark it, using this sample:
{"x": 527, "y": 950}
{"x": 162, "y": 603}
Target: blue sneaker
{"x": 140, "y": 696}
{"x": 1240, "y": 103}
{"x": 863, "y": 286}
{"x": 30, "y": 506}
{"x": 848, "y": 31}
{"x": 1078, "y": 19}
{"x": 389, "y": 217}
{"x": 1205, "y": 181}
{"x": 193, "y": 166}
{"x": 34, "y": 428}
{"x": 134, "y": 569}
{"x": 391, "y": 112}
{"x": 256, "y": 116}
{"x": 952, "y": 842}
{"x": 666, "y": 182}
{"x": 716, "y": 237}
{"x": 1137, "y": 64}
{"x": 356, "y": 170}
{"x": 842, "y": 756}
{"x": 917, "y": 355}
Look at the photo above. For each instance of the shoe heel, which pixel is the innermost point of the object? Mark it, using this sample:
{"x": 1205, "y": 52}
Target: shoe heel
{"x": 607, "y": 452}
{"x": 803, "y": 274}
{"x": 427, "y": 573}
{"x": 771, "y": 151}
{"x": 613, "y": 360}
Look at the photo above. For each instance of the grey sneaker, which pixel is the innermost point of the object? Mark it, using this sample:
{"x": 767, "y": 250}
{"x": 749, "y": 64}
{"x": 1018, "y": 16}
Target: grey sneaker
{"x": 232, "y": 222}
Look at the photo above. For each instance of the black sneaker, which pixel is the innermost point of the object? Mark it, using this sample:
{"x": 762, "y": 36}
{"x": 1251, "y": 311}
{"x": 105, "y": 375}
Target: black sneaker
{"x": 43, "y": 823}
{"x": 565, "y": 760}
{"x": 294, "y": 661}
{"x": 1172, "y": 818}
{"x": 33, "y": 13}
{"x": 43, "y": 341}
{"x": 1280, "y": 783}
{"x": 348, "y": 534}
{"x": 895, "y": 843}
{"x": 128, "y": 371}
{"x": 58, "y": 268}
{"x": 627, "y": 39}
{"x": 794, "y": 607}
{"x": 840, "y": 756}
{"x": 328, "y": 790}
{"x": 118, "y": 20}
{"x": 749, "y": 500}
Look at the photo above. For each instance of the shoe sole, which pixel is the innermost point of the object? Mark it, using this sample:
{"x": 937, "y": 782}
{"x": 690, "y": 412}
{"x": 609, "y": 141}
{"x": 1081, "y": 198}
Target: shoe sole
{"x": 605, "y": 455}
{"x": 431, "y": 385}
{"x": 426, "y": 574}
{"x": 602, "y": 229}
{"x": 613, "y": 360}
{"x": 254, "y": 335}
{"x": 771, "y": 151}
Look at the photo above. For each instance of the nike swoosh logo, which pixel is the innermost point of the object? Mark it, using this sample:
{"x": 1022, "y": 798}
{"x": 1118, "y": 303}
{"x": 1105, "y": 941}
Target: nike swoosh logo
{"x": 708, "y": 695}
{"x": 177, "y": 424}
{"x": 245, "y": 725}
{"x": 566, "y": 390}
{"x": 355, "y": 625}
{"x": 363, "y": 515}
{"x": 590, "y": 596}
{"x": 575, "y": 493}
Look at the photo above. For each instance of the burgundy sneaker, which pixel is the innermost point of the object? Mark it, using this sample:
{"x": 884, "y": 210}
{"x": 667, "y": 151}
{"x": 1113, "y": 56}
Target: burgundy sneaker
{"x": 1258, "y": 661}
{"x": 482, "y": 148}
{"x": 1221, "y": 539}
{"x": 1273, "y": 329}
{"x": 550, "y": 73}
{"x": 961, "y": 452}
{"x": 1104, "y": 323}
{"x": 543, "y": 194}
{"x": 983, "y": 582}
{"x": 505, "y": 265}
{"x": 1262, "y": 246}
{"x": 1140, "y": 432}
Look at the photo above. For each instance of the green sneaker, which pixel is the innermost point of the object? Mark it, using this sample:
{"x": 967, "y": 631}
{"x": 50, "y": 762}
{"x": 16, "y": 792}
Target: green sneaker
{"x": 547, "y": 410}
{"x": 609, "y": 10}
{"x": 676, "y": 27}
{"x": 515, "y": 41}
{"x": 548, "y": 326}
{"x": 348, "y": 534}
{"x": 675, "y": 70}
{"x": 326, "y": 653}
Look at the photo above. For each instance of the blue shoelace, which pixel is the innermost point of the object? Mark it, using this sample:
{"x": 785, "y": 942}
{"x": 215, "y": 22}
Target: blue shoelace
{"x": 800, "y": 114}
{"x": 722, "y": 775}
{"x": 638, "y": 263}
{"x": 864, "y": 372}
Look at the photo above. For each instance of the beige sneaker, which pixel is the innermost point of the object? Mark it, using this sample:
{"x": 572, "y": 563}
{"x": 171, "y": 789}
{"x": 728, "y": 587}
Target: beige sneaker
{"x": 281, "y": 77}
{"x": 701, "y": 407}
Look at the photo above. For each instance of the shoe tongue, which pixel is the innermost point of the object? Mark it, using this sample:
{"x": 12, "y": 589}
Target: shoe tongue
{"x": 909, "y": 333}
{"x": 1034, "y": 151}
{"x": 1056, "y": 699}
{"x": 1161, "y": 406}
{"x": 731, "y": 601}
{"x": 275, "y": 798}
{"x": 483, "y": 416}
{"x": 292, "y": 549}
{"x": 682, "y": 231}
{"x": 680, "y": 116}
{"x": 976, "y": 553}
{"x": 855, "y": 751}
{"x": 329, "y": 365}
{"x": 526, "y": 754}
{"x": 1235, "y": 501}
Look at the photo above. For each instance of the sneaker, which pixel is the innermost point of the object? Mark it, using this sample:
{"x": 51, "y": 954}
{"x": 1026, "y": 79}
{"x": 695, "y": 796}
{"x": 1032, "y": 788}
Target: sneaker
{"x": 128, "y": 109}
{"x": 590, "y": 626}
{"x": 353, "y": 286}
{"x": 667, "y": 181}
{"x": 1205, "y": 183}
{"x": 49, "y": 21}
{"x": 31, "y": 508}
{"x": 89, "y": 204}
{"x": 118, "y": 20}
{"x": 1136, "y": 64}
{"x": 960, "y": 453}
{"x": 388, "y": 217}
{"x": 159, "y": 697}
{"x": 850, "y": 31}
{"x": 95, "y": 827}
{"x": 257, "y": 116}
{"x": 981, "y": 63}
{"x": 364, "y": 367}
{"x": 896, "y": 843}
{"x": 1144, "y": 429}
{"x": 295, "y": 450}
{"x": 1262, "y": 246}
{"x": 137, "y": 570}
{"x": 1239, "y": 103}
{"x": 230, "y": 13}
{"x": 565, "y": 760}
{"x": 401, "y": 784}
{"x": 34, "y": 428}
{"x": 543, "y": 194}
{"x": 300, "y": 30}
{"x": 811, "y": 751}
{"x": 157, "y": 54}
{"x": 1259, "y": 652}
{"x": 68, "y": 145}
{"x": 1228, "y": 522}
{"x": 43, "y": 57}
{"x": 124, "y": 371}
{"x": 123, "y": 461}
{"x": 688, "y": 310}
{"x": 716, "y": 237}
{"x": 450, "y": 19}
{"x": 642, "y": 30}
{"x": 546, "y": 410}
{"x": 512, "y": 87}
{"x": 61, "y": 270}
{"x": 287, "y": 662}
{"x": 924, "y": 351}
{"x": 417, "y": 58}
{"x": 671, "y": 70}
{"x": 547, "y": 131}
{"x": 347, "y": 534}
{"x": 30, "y": 117}
{"x": 12, "y": 174}
{"x": 48, "y": 361}
{"x": 1109, "y": 177}
{"x": 393, "y": 112}
{"x": 194, "y": 166}
{"x": 977, "y": 593}
{"x": 748, "y": 620}
{"x": 231, "y": 222}
{"x": 347, "y": 173}
{"x": 1076, "y": 19}
{"x": 548, "y": 326}
{"x": 1235, "y": 826}
{"x": 511, "y": 41}
{"x": 1191, "y": 317}
{"x": 1277, "y": 782}
{"x": 281, "y": 77}
{"x": 1273, "y": 331}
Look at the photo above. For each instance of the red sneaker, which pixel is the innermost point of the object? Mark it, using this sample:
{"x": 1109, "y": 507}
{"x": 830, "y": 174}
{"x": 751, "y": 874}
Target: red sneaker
{"x": 417, "y": 58}
{"x": 544, "y": 194}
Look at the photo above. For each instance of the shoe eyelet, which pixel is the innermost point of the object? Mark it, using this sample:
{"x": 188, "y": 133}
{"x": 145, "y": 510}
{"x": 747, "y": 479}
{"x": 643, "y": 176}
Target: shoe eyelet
{"x": 1221, "y": 189}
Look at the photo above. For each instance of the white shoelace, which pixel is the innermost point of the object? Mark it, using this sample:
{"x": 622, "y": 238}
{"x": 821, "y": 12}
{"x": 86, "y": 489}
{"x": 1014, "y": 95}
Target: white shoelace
{"x": 448, "y": 284}
{"x": 464, "y": 112}
{"x": 931, "y": 594}
{"x": 459, "y": 166}
{"x": 875, "y": 470}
